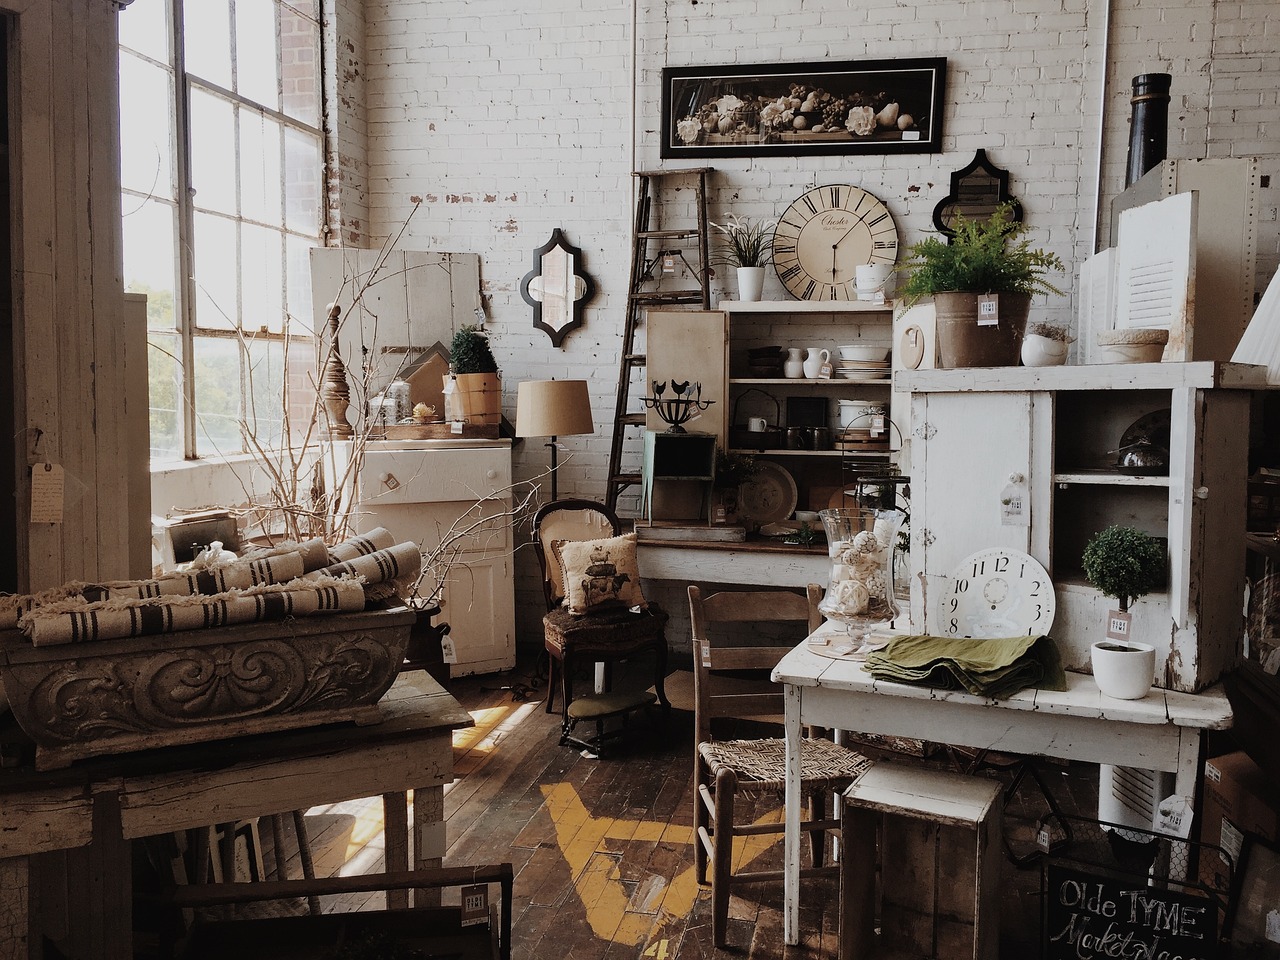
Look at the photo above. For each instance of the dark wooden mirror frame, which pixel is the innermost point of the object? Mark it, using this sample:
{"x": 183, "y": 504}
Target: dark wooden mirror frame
{"x": 570, "y": 313}
{"x": 956, "y": 201}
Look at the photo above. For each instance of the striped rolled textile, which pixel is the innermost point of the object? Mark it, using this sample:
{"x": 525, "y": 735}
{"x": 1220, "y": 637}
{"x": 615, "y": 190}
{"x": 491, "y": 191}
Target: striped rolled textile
{"x": 238, "y": 575}
{"x": 379, "y": 538}
{"x": 14, "y": 605}
{"x": 112, "y": 619}
{"x": 399, "y": 563}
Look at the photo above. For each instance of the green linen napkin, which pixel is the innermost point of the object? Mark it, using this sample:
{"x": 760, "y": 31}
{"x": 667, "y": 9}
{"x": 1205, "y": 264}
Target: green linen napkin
{"x": 996, "y": 668}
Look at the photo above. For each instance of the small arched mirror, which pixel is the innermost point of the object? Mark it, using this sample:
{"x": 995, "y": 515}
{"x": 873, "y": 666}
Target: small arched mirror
{"x": 557, "y": 287}
{"x": 976, "y": 191}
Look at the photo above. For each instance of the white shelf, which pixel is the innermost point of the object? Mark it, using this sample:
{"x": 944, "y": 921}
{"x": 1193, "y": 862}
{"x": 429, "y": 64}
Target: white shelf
{"x": 781, "y": 452}
{"x": 805, "y": 306}
{"x": 1109, "y": 478}
{"x": 803, "y": 382}
{"x": 1198, "y": 374}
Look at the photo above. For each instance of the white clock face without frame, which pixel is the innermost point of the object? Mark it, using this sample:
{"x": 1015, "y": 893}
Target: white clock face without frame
{"x": 824, "y": 235}
{"x": 997, "y": 593}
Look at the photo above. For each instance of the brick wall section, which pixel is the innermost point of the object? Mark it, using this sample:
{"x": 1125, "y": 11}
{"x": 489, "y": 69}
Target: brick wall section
{"x": 510, "y": 120}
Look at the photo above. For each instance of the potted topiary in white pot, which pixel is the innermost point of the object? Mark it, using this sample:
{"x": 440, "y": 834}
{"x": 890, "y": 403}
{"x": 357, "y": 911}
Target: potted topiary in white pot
{"x": 1124, "y": 563}
{"x": 984, "y": 257}
{"x": 477, "y": 389}
{"x": 748, "y": 247}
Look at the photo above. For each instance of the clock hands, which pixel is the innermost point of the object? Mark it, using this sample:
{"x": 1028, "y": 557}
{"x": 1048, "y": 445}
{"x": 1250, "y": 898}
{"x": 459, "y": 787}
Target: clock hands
{"x": 843, "y": 238}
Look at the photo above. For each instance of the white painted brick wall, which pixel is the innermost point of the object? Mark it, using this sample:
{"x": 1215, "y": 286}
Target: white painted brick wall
{"x": 511, "y": 119}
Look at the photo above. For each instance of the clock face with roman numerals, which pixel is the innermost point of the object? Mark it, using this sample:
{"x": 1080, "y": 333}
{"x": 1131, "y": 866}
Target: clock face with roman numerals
{"x": 823, "y": 237}
{"x": 996, "y": 593}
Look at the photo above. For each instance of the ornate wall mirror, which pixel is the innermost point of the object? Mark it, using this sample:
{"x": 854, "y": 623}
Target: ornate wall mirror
{"x": 557, "y": 287}
{"x": 976, "y": 191}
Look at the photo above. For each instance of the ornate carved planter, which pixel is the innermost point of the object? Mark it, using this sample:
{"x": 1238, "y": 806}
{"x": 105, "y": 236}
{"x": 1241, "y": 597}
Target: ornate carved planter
{"x": 113, "y": 696}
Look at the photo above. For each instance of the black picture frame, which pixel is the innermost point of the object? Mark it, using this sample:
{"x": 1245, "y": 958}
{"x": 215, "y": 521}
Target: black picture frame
{"x": 698, "y": 119}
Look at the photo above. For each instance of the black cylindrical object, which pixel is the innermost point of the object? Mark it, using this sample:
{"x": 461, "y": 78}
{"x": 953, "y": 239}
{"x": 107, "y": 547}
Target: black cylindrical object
{"x": 1149, "y": 127}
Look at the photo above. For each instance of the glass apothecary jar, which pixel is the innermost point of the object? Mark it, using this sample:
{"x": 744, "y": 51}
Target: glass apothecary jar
{"x": 860, "y": 589}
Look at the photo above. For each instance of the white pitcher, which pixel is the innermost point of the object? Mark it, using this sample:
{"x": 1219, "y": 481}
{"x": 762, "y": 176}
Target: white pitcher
{"x": 814, "y": 361}
{"x": 793, "y": 366}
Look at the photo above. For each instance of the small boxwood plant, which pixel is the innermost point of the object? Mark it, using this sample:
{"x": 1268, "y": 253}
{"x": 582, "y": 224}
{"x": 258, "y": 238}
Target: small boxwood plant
{"x": 469, "y": 351}
{"x": 1125, "y": 563}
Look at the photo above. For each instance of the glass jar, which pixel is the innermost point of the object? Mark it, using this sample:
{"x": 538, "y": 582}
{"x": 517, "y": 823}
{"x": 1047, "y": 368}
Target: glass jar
{"x": 860, "y": 589}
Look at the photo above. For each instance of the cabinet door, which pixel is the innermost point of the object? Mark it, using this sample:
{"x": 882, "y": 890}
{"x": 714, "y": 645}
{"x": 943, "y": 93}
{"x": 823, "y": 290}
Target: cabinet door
{"x": 975, "y": 443}
{"x": 689, "y": 345}
{"x": 479, "y": 606}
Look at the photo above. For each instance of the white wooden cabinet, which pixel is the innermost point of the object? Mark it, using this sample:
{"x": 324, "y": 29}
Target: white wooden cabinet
{"x": 422, "y": 490}
{"x": 973, "y": 432}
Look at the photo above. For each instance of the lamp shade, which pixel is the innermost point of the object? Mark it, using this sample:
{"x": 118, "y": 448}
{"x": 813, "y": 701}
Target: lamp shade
{"x": 553, "y": 408}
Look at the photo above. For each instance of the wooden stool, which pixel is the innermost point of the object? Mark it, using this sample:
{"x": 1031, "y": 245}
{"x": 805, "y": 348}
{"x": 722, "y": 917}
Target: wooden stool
{"x": 940, "y": 836}
{"x": 601, "y": 707}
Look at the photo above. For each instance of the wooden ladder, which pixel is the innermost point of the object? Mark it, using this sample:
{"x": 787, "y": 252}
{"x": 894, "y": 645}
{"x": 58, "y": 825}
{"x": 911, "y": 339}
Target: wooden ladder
{"x": 648, "y": 249}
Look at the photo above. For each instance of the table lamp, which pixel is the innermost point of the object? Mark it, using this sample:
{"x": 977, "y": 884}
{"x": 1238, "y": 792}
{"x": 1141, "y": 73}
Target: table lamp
{"x": 553, "y": 408}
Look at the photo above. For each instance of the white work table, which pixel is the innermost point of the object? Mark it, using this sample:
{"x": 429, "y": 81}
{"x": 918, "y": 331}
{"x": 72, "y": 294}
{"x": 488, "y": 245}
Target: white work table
{"x": 1160, "y": 732}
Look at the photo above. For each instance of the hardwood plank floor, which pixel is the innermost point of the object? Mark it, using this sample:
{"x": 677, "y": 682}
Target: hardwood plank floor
{"x": 603, "y": 849}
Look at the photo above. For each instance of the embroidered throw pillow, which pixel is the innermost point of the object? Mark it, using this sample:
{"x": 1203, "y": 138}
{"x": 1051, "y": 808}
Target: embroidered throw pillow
{"x": 600, "y": 573}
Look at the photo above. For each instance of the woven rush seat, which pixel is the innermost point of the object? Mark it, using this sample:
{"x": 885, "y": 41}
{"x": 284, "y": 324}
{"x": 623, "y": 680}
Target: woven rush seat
{"x": 761, "y": 765}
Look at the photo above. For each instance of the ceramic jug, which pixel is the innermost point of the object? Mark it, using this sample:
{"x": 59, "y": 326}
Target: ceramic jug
{"x": 793, "y": 367}
{"x": 813, "y": 363}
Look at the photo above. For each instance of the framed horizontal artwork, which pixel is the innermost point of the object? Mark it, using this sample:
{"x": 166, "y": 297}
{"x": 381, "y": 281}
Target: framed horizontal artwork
{"x": 788, "y": 109}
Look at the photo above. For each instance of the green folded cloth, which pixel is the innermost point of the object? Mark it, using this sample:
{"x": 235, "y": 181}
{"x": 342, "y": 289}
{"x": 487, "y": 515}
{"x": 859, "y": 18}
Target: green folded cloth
{"x": 996, "y": 668}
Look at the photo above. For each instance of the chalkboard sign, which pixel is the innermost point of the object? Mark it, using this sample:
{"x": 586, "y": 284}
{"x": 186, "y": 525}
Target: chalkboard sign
{"x": 1094, "y": 915}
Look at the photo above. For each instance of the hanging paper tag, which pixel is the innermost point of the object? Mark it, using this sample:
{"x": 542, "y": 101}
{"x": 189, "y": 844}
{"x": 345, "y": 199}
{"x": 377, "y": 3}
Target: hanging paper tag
{"x": 706, "y": 653}
{"x": 879, "y": 296}
{"x": 1174, "y": 816}
{"x": 456, "y": 427}
{"x": 668, "y": 263}
{"x": 448, "y": 650}
{"x": 877, "y": 424}
{"x": 825, "y": 371}
{"x": 46, "y": 493}
{"x": 988, "y": 309}
{"x": 475, "y": 905}
{"x": 1118, "y": 625}
{"x": 1013, "y": 506}
{"x": 390, "y": 480}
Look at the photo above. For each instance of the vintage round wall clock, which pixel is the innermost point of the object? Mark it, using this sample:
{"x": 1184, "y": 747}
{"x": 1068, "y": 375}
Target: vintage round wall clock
{"x": 996, "y": 593}
{"x": 825, "y": 234}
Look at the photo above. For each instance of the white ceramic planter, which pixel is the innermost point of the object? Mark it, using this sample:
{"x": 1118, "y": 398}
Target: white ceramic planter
{"x": 1123, "y": 671}
{"x": 1038, "y": 351}
{"x": 750, "y": 283}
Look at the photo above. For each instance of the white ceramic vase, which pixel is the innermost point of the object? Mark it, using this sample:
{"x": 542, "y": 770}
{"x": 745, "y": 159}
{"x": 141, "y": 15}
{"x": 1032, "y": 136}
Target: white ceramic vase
{"x": 750, "y": 283}
{"x": 1123, "y": 671}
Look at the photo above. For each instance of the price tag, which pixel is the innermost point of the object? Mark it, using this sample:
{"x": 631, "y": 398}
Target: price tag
{"x": 1013, "y": 506}
{"x": 825, "y": 371}
{"x": 475, "y": 905}
{"x": 988, "y": 310}
{"x": 668, "y": 263}
{"x": 879, "y": 296}
{"x": 447, "y": 649}
{"x": 877, "y": 424}
{"x": 390, "y": 480}
{"x": 1174, "y": 816}
{"x": 1118, "y": 625}
{"x": 456, "y": 427}
{"x": 706, "y": 653}
{"x": 47, "y": 482}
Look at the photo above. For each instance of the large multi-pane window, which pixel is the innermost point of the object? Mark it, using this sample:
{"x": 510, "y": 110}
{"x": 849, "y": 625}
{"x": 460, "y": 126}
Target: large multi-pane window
{"x": 222, "y": 171}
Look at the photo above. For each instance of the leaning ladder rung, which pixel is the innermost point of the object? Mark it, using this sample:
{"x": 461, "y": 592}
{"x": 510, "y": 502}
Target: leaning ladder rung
{"x": 667, "y": 296}
{"x": 632, "y": 419}
{"x": 666, "y": 234}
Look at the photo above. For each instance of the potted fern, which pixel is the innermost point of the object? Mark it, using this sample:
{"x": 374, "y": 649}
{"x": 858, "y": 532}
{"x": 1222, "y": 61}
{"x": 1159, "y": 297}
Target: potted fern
{"x": 1124, "y": 563}
{"x": 984, "y": 258}
{"x": 477, "y": 388}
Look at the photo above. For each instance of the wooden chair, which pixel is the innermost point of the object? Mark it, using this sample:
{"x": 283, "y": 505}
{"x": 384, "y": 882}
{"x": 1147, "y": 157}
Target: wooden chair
{"x": 605, "y": 637}
{"x": 723, "y": 687}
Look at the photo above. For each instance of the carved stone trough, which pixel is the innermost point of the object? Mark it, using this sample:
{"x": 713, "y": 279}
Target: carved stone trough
{"x": 114, "y": 696}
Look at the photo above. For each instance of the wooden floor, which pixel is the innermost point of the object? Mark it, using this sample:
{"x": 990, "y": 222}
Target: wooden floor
{"x": 602, "y": 849}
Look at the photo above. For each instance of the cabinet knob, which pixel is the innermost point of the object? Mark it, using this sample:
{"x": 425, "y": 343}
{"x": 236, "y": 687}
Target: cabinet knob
{"x": 1202, "y": 493}
{"x": 490, "y": 474}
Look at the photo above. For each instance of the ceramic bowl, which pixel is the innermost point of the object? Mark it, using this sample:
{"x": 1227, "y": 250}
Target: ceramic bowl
{"x": 1123, "y": 671}
{"x": 863, "y": 352}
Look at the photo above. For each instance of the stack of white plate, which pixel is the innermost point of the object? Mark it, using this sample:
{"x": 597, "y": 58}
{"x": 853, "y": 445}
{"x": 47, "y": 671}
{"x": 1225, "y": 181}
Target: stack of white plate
{"x": 862, "y": 369}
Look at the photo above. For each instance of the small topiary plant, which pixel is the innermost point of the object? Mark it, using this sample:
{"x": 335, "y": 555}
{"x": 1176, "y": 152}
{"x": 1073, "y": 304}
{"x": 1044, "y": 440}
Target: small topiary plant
{"x": 1124, "y": 563}
{"x": 469, "y": 351}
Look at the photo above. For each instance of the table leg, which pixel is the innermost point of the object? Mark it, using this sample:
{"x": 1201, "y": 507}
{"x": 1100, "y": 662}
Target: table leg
{"x": 791, "y": 842}
{"x": 428, "y": 838}
{"x": 13, "y": 908}
{"x": 395, "y": 820}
